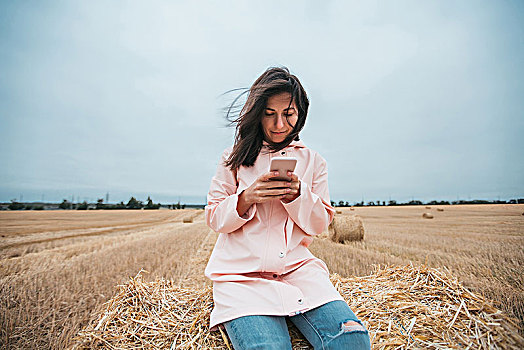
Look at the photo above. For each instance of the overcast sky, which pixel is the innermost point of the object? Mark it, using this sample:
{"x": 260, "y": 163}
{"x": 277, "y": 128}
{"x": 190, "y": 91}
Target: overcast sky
{"x": 409, "y": 99}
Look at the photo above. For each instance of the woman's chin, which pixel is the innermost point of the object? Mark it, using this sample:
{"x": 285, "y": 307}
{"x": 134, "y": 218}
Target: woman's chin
{"x": 278, "y": 138}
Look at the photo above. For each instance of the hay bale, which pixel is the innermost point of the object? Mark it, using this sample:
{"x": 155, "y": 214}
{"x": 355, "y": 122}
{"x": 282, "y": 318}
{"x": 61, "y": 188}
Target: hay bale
{"x": 351, "y": 208}
{"x": 346, "y": 229}
{"x": 428, "y": 207}
{"x": 440, "y": 209}
{"x": 427, "y": 216}
{"x": 338, "y": 211}
{"x": 192, "y": 215}
{"x": 408, "y": 307}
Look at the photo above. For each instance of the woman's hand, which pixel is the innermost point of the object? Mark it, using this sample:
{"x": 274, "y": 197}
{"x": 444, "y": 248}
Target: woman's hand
{"x": 264, "y": 189}
{"x": 295, "y": 188}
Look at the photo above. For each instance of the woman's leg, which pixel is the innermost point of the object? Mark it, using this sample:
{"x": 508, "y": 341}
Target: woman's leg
{"x": 332, "y": 326}
{"x": 259, "y": 332}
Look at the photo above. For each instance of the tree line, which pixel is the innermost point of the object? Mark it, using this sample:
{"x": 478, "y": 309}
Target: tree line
{"x": 417, "y": 202}
{"x": 133, "y": 203}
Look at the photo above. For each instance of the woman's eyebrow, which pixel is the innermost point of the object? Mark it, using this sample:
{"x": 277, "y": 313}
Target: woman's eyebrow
{"x": 285, "y": 109}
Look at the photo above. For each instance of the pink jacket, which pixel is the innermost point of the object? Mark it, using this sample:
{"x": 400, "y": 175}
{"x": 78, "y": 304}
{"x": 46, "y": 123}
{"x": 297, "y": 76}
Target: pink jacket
{"x": 260, "y": 264}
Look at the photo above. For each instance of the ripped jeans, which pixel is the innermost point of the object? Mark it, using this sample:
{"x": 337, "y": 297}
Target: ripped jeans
{"x": 329, "y": 326}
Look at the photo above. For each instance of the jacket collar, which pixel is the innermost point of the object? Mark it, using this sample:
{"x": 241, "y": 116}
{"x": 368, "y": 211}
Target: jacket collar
{"x": 296, "y": 144}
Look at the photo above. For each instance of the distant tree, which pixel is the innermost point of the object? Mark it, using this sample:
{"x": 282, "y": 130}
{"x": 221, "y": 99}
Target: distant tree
{"x": 333, "y": 204}
{"x": 134, "y": 204}
{"x": 82, "y": 206}
{"x": 100, "y": 203}
{"x": 434, "y": 202}
{"x": 150, "y": 204}
{"x": 371, "y": 203}
{"x": 65, "y": 204}
{"x": 340, "y": 203}
{"x": 120, "y": 205}
{"x": 392, "y": 202}
{"x": 14, "y": 205}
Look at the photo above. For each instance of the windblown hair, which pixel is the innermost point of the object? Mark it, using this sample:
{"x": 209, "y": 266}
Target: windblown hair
{"x": 249, "y": 134}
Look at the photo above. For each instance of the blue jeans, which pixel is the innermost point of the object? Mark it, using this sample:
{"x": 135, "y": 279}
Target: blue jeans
{"x": 329, "y": 326}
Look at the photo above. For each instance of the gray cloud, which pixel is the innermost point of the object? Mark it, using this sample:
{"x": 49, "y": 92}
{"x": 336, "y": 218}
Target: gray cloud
{"x": 408, "y": 99}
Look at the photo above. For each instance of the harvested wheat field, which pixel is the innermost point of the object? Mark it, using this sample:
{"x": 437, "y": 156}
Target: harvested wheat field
{"x": 58, "y": 268}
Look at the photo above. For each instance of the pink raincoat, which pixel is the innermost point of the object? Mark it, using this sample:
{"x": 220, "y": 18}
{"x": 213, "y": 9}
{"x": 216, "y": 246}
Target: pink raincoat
{"x": 260, "y": 264}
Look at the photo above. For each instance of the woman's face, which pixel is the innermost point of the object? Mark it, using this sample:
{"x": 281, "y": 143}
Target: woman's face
{"x": 279, "y": 118}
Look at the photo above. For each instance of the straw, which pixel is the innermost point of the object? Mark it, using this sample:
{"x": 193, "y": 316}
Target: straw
{"x": 403, "y": 307}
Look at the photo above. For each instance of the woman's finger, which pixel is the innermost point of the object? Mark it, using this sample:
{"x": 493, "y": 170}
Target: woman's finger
{"x": 267, "y": 176}
{"x": 275, "y": 184}
{"x": 293, "y": 176}
{"x": 274, "y": 192}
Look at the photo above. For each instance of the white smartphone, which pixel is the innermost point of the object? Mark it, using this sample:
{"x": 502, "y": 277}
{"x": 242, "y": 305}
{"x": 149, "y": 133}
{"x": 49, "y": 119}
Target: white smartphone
{"x": 282, "y": 165}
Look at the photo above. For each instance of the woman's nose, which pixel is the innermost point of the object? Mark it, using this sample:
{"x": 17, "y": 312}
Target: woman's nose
{"x": 280, "y": 121}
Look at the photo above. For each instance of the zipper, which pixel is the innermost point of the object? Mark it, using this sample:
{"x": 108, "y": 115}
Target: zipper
{"x": 268, "y": 227}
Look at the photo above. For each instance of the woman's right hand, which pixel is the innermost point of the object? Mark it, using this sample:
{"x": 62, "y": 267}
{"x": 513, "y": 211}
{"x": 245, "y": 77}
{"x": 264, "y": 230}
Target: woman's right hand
{"x": 262, "y": 190}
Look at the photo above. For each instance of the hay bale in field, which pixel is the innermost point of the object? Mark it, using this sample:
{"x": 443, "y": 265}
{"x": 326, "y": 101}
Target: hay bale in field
{"x": 346, "y": 229}
{"x": 440, "y": 209}
{"x": 192, "y": 215}
{"x": 338, "y": 211}
{"x": 351, "y": 208}
{"x": 427, "y": 216}
{"x": 409, "y": 307}
{"x": 428, "y": 207}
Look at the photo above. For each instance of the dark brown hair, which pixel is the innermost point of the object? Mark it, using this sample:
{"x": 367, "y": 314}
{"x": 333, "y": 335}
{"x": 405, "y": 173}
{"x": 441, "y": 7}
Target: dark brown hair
{"x": 249, "y": 134}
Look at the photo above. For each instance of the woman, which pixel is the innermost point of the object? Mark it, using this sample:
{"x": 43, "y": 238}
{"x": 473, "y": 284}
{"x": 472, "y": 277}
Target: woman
{"x": 261, "y": 269}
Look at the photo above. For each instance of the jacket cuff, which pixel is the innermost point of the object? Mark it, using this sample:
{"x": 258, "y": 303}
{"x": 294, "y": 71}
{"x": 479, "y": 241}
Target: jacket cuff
{"x": 308, "y": 211}
{"x": 227, "y": 218}
{"x": 249, "y": 214}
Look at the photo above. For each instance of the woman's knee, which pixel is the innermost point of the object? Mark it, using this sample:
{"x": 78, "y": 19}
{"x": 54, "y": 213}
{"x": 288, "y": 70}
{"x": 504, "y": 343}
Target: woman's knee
{"x": 352, "y": 335}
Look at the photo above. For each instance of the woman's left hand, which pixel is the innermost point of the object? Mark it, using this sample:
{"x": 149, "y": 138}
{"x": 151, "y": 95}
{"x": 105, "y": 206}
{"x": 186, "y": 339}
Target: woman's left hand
{"x": 295, "y": 188}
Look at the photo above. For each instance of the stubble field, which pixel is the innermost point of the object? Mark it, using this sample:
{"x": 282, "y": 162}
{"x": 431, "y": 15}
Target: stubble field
{"x": 58, "y": 267}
